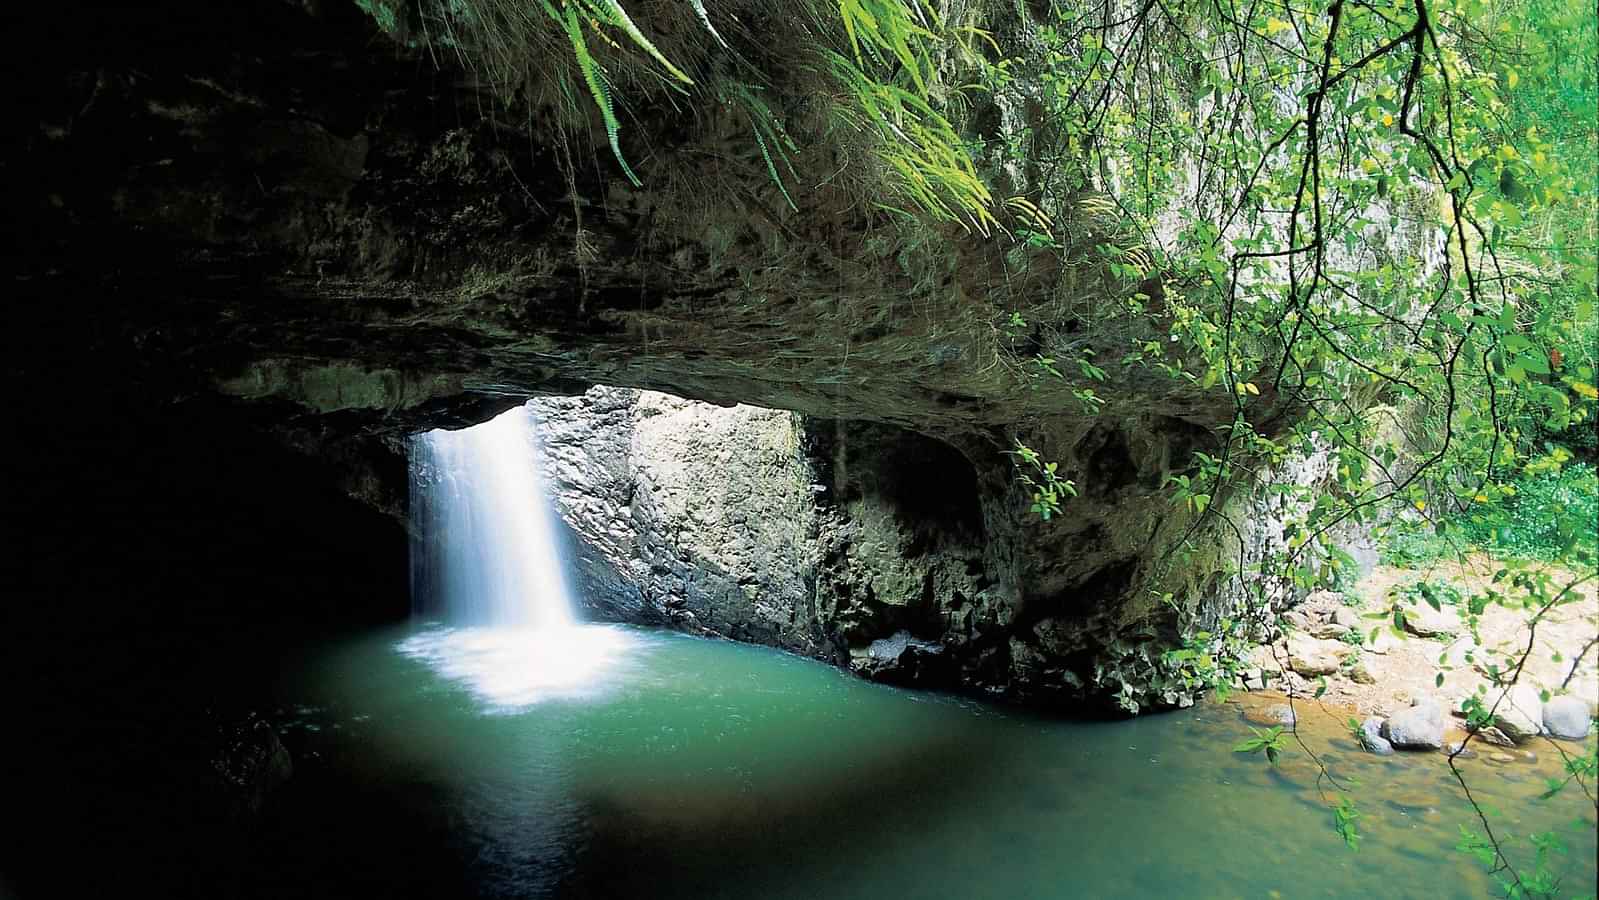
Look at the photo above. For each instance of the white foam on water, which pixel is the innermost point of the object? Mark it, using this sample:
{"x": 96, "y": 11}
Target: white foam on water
{"x": 512, "y": 668}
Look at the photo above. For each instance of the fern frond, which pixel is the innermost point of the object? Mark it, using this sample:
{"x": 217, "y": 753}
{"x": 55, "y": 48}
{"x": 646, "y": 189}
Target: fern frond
{"x": 896, "y": 29}
{"x": 612, "y": 10}
{"x": 705, "y": 19}
{"x": 772, "y": 169}
{"x": 1095, "y": 204}
{"x": 594, "y": 76}
{"x": 922, "y": 150}
{"x": 1035, "y": 217}
{"x": 1139, "y": 259}
{"x": 773, "y": 141}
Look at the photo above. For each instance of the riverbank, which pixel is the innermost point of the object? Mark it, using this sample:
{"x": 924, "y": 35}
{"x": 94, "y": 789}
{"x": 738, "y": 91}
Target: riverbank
{"x": 1370, "y": 669}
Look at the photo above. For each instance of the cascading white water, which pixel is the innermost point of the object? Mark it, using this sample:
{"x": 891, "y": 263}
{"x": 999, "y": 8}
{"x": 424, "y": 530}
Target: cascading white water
{"x": 484, "y": 560}
{"x": 485, "y": 550}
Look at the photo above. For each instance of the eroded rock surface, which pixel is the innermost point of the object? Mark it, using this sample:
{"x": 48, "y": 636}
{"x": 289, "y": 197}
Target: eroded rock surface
{"x": 904, "y": 557}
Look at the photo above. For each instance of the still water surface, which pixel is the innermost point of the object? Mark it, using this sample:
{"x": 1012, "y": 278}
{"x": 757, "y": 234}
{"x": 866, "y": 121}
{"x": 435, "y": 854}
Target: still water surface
{"x": 442, "y": 762}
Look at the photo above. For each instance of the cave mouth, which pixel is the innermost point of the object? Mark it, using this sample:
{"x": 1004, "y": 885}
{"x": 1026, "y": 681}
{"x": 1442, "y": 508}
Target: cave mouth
{"x": 929, "y": 483}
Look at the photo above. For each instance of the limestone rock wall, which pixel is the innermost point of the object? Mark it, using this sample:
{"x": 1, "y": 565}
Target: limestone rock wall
{"x": 842, "y": 541}
{"x": 688, "y": 514}
{"x": 900, "y": 556}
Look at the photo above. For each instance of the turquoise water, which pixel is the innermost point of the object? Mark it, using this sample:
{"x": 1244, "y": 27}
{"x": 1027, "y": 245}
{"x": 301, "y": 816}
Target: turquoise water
{"x": 684, "y": 767}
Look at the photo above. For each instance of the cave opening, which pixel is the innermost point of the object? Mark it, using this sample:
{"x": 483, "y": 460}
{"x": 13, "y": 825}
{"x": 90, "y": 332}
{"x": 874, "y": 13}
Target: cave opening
{"x": 928, "y": 483}
{"x": 263, "y": 249}
{"x": 1108, "y": 463}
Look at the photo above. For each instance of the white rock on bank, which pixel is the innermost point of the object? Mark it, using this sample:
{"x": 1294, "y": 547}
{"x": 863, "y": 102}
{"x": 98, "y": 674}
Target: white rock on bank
{"x": 1312, "y": 657}
{"x": 1350, "y": 619}
{"x": 1363, "y": 672}
{"x": 1519, "y": 713}
{"x": 1566, "y": 717}
{"x": 1421, "y": 727}
{"x": 1422, "y": 620}
{"x": 1371, "y": 737}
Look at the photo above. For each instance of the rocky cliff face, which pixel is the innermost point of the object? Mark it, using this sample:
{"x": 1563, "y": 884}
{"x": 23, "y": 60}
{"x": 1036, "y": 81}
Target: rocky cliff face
{"x": 876, "y": 548}
{"x": 688, "y": 514}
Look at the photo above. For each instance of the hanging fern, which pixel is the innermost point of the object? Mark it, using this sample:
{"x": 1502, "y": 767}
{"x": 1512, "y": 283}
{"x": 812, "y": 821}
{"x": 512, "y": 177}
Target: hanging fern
{"x": 594, "y": 76}
{"x": 895, "y": 29}
{"x": 886, "y": 54}
{"x": 770, "y": 137}
{"x": 919, "y": 146}
{"x": 612, "y": 11}
{"x": 705, "y": 19}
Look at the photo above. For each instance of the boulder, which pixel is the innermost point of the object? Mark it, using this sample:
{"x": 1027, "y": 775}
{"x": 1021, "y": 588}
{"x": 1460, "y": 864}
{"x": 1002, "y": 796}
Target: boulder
{"x": 1311, "y": 657}
{"x": 1317, "y": 600}
{"x": 1361, "y": 672}
{"x": 1275, "y": 714}
{"x": 1519, "y": 713}
{"x": 1371, "y": 737}
{"x": 1412, "y": 800}
{"x": 1494, "y": 736}
{"x": 1328, "y": 630}
{"x": 1263, "y": 658}
{"x": 1350, "y": 618}
{"x": 902, "y": 659}
{"x": 1566, "y": 717}
{"x": 1252, "y": 679}
{"x": 1422, "y": 620}
{"x": 1421, "y": 727}
{"x": 247, "y": 762}
{"x": 891, "y": 648}
{"x": 1383, "y": 641}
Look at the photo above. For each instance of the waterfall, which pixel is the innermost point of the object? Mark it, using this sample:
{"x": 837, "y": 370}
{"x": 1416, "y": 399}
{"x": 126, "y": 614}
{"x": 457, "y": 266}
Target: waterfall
{"x": 485, "y": 564}
{"x": 484, "y": 550}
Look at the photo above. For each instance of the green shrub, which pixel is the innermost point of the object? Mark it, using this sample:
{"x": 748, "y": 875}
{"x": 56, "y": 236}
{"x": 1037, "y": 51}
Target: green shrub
{"x": 1446, "y": 592}
{"x": 1548, "y": 513}
{"x": 1409, "y": 544}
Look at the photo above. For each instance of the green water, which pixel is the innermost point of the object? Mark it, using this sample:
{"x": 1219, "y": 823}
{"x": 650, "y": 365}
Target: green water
{"x": 682, "y": 767}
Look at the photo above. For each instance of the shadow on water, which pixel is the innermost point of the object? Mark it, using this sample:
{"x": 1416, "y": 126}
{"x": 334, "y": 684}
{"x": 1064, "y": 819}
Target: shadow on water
{"x": 714, "y": 843}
